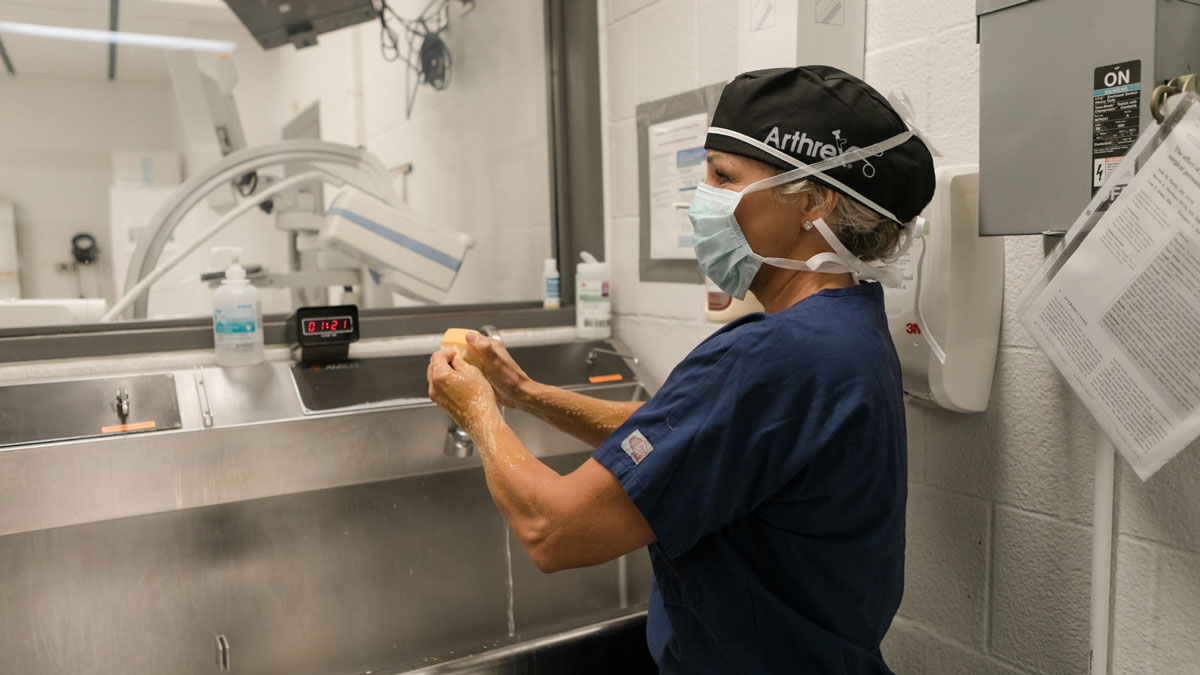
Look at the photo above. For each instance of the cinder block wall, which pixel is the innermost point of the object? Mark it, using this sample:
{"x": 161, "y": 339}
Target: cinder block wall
{"x": 999, "y": 534}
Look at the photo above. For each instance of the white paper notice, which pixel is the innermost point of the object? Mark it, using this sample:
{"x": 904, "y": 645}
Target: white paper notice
{"x": 677, "y": 166}
{"x": 1121, "y": 317}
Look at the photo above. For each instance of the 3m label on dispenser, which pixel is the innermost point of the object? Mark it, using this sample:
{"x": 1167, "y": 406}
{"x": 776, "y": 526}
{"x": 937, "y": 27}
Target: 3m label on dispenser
{"x": 1116, "y": 116}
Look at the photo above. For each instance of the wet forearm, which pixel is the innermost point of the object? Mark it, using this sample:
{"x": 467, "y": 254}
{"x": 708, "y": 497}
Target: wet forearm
{"x": 562, "y": 521}
{"x": 589, "y": 419}
{"x": 518, "y": 481}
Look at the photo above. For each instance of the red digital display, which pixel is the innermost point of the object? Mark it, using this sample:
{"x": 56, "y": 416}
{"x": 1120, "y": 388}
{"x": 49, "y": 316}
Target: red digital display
{"x": 331, "y": 325}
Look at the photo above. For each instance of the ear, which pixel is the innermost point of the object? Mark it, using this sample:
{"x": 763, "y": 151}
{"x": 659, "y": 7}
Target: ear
{"x": 831, "y": 203}
{"x": 823, "y": 207}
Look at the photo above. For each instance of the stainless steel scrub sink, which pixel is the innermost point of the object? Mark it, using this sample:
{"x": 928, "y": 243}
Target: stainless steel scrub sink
{"x": 259, "y": 537}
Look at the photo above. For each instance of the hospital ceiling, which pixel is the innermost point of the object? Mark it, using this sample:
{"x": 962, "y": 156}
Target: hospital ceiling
{"x": 41, "y": 57}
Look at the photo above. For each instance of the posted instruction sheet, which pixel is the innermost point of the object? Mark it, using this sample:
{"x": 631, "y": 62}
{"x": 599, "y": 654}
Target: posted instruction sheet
{"x": 1118, "y": 312}
{"x": 677, "y": 165}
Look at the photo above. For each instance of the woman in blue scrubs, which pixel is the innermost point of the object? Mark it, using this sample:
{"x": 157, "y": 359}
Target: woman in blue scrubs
{"x": 768, "y": 475}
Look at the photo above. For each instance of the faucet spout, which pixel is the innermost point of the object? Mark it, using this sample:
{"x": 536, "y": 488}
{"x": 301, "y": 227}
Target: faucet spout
{"x": 458, "y": 443}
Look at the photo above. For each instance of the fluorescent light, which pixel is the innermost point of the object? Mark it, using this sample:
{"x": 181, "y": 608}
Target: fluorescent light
{"x": 121, "y": 38}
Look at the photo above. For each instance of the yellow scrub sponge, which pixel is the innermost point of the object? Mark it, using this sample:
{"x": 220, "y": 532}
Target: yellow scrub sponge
{"x": 456, "y": 339}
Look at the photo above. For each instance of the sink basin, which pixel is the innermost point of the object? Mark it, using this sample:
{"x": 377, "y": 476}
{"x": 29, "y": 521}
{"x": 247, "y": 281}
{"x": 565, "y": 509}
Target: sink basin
{"x": 616, "y": 645}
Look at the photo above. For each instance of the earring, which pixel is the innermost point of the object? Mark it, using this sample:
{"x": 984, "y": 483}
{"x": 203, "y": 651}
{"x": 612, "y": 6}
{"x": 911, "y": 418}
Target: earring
{"x": 808, "y": 225}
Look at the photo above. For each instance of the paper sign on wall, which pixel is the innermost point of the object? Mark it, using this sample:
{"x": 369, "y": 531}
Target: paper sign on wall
{"x": 1117, "y": 308}
{"x": 677, "y": 166}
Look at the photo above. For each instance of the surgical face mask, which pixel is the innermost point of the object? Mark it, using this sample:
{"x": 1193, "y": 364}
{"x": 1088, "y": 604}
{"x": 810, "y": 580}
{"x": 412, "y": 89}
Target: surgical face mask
{"x": 725, "y": 255}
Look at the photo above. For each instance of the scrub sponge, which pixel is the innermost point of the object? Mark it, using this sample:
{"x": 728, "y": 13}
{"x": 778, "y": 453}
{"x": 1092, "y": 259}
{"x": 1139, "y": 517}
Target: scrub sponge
{"x": 456, "y": 339}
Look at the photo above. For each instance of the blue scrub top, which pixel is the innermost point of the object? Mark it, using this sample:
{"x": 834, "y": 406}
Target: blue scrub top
{"x": 772, "y": 467}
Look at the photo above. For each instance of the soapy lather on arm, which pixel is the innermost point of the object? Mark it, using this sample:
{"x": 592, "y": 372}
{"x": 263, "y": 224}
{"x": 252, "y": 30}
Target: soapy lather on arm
{"x": 589, "y": 419}
{"x": 583, "y": 518}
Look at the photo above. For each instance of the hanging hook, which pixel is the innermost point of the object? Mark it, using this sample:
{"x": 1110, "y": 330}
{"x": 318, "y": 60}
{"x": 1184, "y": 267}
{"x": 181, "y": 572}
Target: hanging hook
{"x": 1162, "y": 92}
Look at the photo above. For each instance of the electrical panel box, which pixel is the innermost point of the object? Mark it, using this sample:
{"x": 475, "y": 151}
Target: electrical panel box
{"x": 1064, "y": 92}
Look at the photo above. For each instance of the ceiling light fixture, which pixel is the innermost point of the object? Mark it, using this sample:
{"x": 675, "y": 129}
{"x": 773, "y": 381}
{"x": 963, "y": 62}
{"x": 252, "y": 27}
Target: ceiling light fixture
{"x": 121, "y": 38}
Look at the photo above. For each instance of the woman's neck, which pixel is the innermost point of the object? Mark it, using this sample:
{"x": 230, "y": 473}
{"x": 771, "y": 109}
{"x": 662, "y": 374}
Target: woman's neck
{"x": 777, "y": 289}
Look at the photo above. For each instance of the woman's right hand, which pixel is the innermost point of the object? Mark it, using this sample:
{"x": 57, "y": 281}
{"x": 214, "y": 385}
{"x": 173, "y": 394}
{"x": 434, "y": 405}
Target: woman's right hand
{"x": 511, "y": 383}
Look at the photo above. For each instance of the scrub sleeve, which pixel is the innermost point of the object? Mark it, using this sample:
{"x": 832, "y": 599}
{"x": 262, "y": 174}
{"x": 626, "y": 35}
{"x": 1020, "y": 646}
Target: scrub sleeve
{"x": 705, "y": 460}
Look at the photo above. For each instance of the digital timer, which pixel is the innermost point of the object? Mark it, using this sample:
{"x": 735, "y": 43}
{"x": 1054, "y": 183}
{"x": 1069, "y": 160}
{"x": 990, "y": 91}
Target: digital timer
{"x": 322, "y": 334}
{"x": 329, "y": 326}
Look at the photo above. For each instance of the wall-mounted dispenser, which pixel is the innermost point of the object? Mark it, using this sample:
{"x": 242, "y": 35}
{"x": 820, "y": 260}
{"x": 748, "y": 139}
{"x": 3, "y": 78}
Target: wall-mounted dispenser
{"x": 961, "y": 277}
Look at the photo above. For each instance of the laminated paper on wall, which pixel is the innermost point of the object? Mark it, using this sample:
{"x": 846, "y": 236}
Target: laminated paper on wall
{"x": 1117, "y": 306}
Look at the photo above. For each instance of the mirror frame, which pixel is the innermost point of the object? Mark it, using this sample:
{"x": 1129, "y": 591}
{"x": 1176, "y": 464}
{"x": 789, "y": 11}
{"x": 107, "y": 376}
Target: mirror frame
{"x": 576, "y": 215}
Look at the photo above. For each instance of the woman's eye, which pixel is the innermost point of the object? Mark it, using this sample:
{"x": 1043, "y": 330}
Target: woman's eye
{"x": 721, "y": 178}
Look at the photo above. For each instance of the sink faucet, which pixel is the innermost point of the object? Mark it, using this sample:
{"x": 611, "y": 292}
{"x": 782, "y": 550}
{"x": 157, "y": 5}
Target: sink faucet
{"x": 458, "y": 442}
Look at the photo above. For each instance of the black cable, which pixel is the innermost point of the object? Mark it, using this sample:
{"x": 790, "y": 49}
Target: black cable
{"x": 431, "y": 60}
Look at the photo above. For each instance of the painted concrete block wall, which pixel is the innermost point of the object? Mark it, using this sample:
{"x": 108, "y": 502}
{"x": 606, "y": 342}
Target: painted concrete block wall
{"x": 1000, "y": 503}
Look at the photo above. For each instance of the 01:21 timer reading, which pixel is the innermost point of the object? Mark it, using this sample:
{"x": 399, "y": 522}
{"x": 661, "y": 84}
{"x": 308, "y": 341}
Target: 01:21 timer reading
{"x": 341, "y": 324}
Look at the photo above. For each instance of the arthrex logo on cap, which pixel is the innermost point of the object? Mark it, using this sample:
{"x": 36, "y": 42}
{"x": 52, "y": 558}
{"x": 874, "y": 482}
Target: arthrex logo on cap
{"x": 637, "y": 446}
{"x": 799, "y": 143}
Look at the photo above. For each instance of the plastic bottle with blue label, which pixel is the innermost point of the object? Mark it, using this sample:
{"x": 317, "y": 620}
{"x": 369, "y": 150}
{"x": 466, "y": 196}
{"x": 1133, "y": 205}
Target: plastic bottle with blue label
{"x": 551, "y": 285}
{"x": 237, "y": 320}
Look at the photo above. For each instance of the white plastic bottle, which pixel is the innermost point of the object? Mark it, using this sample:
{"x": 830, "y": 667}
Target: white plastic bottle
{"x": 593, "y": 304}
{"x": 551, "y": 285}
{"x": 237, "y": 320}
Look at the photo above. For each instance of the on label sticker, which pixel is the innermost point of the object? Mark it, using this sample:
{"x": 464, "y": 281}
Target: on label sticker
{"x": 637, "y": 446}
{"x": 1116, "y": 116}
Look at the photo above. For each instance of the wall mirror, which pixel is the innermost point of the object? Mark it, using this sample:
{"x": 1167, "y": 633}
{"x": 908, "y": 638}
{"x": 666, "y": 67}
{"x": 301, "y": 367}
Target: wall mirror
{"x": 446, "y": 123}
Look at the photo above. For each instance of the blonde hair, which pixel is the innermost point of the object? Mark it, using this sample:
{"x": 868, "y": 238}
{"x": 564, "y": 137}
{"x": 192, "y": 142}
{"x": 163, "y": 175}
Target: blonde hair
{"x": 863, "y": 232}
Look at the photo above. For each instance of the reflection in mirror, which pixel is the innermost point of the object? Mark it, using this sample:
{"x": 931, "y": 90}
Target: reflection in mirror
{"x": 393, "y": 163}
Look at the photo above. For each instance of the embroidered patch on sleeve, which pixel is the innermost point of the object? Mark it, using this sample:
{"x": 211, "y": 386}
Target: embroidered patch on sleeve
{"x": 636, "y": 446}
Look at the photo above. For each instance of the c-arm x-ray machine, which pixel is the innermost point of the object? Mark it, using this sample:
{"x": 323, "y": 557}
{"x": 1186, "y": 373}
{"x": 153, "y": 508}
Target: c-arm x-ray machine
{"x": 366, "y": 236}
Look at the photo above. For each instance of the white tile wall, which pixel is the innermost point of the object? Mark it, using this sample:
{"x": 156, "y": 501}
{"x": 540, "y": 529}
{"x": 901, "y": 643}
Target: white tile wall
{"x": 1000, "y": 506}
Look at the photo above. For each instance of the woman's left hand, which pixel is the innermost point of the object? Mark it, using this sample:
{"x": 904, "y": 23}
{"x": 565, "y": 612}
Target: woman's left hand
{"x": 459, "y": 388}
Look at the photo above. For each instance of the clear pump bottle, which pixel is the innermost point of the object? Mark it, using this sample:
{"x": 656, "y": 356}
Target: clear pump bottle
{"x": 237, "y": 320}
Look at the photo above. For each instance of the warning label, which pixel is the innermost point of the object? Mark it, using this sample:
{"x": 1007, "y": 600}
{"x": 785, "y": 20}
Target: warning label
{"x": 1116, "y": 116}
